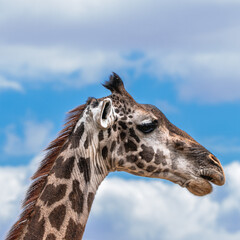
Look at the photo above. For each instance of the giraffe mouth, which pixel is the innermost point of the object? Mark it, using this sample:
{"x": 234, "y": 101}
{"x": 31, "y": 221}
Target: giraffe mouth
{"x": 202, "y": 185}
{"x": 198, "y": 186}
{"x": 216, "y": 177}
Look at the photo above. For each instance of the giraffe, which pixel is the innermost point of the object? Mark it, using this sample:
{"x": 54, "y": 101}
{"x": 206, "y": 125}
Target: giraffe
{"x": 113, "y": 133}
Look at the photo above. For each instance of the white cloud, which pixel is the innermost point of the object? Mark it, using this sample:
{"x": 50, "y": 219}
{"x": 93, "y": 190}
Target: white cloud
{"x": 141, "y": 209}
{"x": 155, "y": 210}
{"x": 13, "y": 182}
{"x": 35, "y": 138}
{"x": 6, "y": 84}
{"x": 196, "y": 42}
{"x": 206, "y": 77}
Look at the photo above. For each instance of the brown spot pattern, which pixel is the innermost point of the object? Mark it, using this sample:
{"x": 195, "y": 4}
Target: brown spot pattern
{"x": 76, "y": 197}
{"x": 86, "y": 143}
{"x": 124, "y": 118}
{"x": 121, "y": 162}
{"x": 57, "y": 216}
{"x": 132, "y": 158}
{"x": 160, "y": 158}
{"x": 140, "y": 165}
{"x": 77, "y": 136}
{"x": 36, "y": 227}
{"x": 105, "y": 152}
{"x": 51, "y": 237}
{"x": 120, "y": 151}
{"x": 150, "y": 168}
{"x": 109, "y": 132}
{"x": 122, "y": 135}
{"x": 90, "y": 200}
{"x": 52, "y": 194}
{"x": 84, "y": 167}
{"x": 130, "y": 146}
{"x": 74, "y": 231}
{"x": 113, "y": 146}
{"x": 100, "y": 136}
{"x": 114, "y": 127}
{"x": 123, "y": 125}
{"x": 147, "y": 153}
{"x": 133, "y": 134}
{"x": 63, "y": 169}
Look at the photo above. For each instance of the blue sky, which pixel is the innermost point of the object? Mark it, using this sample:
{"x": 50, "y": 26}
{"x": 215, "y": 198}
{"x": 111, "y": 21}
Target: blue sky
{"x": 182, "y": 57}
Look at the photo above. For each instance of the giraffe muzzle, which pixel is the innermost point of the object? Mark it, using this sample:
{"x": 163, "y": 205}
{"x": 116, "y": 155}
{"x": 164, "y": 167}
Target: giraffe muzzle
{"x": 215, "y": 173}
{"x": 201, "y": 184}
{"x": 213, "y": 176}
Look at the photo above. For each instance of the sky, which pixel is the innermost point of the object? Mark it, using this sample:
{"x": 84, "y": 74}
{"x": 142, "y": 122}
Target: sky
{"x": 182, "y": 56}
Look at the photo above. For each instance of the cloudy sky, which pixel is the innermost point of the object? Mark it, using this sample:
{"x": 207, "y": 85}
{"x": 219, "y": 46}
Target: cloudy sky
{"x": 182, "y": 56}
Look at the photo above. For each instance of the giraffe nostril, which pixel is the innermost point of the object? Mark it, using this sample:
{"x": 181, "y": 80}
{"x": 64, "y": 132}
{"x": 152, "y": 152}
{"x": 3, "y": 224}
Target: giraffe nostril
{"x": 214, "y": 159}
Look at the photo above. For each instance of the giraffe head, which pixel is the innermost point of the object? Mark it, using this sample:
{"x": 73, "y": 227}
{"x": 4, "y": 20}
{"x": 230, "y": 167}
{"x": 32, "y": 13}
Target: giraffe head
{"x": 139, "y": 139}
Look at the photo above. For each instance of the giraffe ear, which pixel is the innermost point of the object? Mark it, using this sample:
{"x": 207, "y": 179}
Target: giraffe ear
{"x": 106, "y": 115}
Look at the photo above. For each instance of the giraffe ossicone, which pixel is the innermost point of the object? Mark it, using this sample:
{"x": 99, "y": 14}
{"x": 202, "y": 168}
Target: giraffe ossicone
{"x": 113, "y": 133}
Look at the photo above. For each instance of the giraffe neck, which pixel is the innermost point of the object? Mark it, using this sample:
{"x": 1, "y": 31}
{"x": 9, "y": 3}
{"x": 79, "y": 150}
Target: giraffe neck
{"x": 63, "y": 207}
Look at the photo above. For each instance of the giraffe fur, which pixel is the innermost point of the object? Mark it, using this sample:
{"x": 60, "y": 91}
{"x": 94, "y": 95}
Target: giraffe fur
{"x": 113, "y": 133}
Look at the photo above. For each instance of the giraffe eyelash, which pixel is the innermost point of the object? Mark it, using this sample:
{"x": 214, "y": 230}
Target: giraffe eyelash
{"x": 148, "y": 127}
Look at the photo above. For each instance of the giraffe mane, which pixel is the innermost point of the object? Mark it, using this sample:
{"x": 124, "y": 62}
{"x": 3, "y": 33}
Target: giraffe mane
{"x": 40, "y": 176}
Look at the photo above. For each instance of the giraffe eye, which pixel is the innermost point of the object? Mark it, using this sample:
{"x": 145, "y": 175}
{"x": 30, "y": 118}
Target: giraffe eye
{"x": 147, "y": 127}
